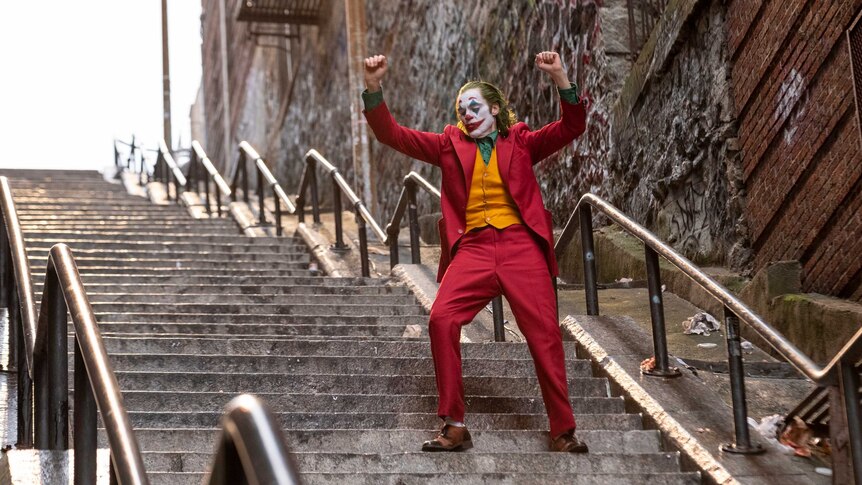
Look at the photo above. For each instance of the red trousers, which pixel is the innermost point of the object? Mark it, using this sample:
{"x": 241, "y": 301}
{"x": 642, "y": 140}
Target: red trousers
{"x": 490, "y": 262}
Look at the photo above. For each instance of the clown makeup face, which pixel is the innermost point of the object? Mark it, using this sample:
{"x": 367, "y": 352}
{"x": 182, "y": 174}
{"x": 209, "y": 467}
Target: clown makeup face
{"x": 475, "y": 114}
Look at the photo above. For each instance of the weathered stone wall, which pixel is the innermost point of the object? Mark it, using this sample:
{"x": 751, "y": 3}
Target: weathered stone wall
{"x": 668, "y": 163}
{"x": 674, "y": 164}
{"x": 433, "y": 48}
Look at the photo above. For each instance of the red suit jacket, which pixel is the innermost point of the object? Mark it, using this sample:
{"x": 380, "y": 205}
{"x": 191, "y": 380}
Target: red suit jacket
{"x": 455, "y": 153}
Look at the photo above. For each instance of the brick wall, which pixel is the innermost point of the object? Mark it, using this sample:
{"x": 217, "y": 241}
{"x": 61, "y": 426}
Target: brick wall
{"x": 799, "y": 137}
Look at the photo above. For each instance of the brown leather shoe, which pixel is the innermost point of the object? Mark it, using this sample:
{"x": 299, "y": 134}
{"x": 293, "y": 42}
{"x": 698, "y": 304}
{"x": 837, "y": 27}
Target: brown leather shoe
{"x": 568, "y": 442}
{"x": 450, "y": 438}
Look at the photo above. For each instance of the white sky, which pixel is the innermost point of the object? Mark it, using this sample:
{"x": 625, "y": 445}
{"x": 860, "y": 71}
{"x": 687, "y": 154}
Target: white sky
{"x": 75, "y": 75}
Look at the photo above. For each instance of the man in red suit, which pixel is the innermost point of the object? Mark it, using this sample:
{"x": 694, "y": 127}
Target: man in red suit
{"x": 495, "y": 233}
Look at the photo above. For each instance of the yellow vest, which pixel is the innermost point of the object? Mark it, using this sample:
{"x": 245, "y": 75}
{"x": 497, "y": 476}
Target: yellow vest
{"x": 489, "y": 202}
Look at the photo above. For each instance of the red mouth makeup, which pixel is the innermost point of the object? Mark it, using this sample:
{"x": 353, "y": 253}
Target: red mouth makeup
{"x": 474, "y": 125}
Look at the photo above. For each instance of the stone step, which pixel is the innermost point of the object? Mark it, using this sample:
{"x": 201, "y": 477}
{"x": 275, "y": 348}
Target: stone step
{"x": 93, "y": 227}
{"x": 399, "y": 440}
{"x": 119, "y": 209}
{"x": 276, "y": 330}
{"x": 185, "y": 271}
{"x": 285, "y": 308}
{"x": 85, "y": 263}
{"x": 204, "y": 344}
{"x": 91, "y": 256}
{"x": 236, "y": 299}
{"x": 133, "y": 290}
{"x": 97, "y": 217}
{"x": 236, "y": 383}
{"x": 68, "y": 201}
{"x": 285, "y": 245}
{"x": 199, "y": 236}
{"x": 440, "y": 478}
{"x": 200, "y": 278}
{"x": 315, "y": 365}
{"x": 151, "y": 236}
{"x": 204, "y": 323}
{"x": 472, "y": 462}
{"x": 366, "y": 420}
{"x": 345, "y": 403}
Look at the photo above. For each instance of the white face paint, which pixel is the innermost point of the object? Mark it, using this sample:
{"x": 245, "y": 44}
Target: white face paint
{"x": 475, "y": 114}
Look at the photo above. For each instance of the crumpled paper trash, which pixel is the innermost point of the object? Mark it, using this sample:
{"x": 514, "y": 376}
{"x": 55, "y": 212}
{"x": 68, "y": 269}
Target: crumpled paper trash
{"x": 701, "y": 323}
{"x": 648, "y": 365}
{"x": 770, "y": 428}
{"x": 797, "y": 435}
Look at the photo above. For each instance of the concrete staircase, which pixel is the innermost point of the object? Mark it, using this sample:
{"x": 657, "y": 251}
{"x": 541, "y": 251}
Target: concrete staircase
{"x": 192, "y": 314}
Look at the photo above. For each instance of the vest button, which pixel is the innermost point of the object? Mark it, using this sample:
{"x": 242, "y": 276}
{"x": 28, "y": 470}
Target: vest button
{"x": 460, "y": 231}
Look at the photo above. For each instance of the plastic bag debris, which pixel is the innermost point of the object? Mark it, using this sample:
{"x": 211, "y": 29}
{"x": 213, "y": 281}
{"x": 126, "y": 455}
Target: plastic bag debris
{"x": 746, "y": 345}
{"x": 624, "y": 280}
{"x": 707, "y": 346}
{"x": 769, "y": 428}
{"x": 701, "y": 323}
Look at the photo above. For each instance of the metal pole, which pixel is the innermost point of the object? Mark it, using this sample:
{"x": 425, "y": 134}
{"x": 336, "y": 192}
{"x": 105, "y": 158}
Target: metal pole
{"x": 225, "y": 83}
{"x": 364, "y": 179}
{"x": 656, "y": 305}
{"x": 363, "y": 243}
{"x": 25, "y": 400}
{"x": 85, "y": 420}
{"x": 166, "y": 76}
{"x": 218, "y": 200}
{"x": 260, "y": 204}
{"x": 207, "y": 190}
{"x": 58, "y": 370}
{"x": 277, "y": 201}
{"x": 743, "y": 443}
{"x": 393, "y": 246}
{"x": 413, "y": 223}
{"x": 336, "y": 212}
{"x": 850, "y": 392}
{"x": 591, "y": 290}
{"x": 497, "y": 312}
{"x": 315, "y": 200}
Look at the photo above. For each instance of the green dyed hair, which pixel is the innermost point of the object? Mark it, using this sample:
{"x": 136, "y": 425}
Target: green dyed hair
{"x": 493, "y": 95}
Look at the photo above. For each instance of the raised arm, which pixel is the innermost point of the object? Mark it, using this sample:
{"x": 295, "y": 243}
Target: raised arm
{"x": 556, "y": 135}
{"x": 413, "y": 143}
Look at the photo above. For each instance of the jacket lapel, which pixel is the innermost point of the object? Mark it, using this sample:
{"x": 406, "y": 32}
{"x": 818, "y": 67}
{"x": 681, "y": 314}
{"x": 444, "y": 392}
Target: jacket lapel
{"x": 504, "y": 158}
{"x": 466, "y": 150}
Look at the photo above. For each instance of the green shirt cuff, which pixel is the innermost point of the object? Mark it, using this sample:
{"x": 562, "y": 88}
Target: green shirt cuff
{"x": 569, "y": 95}
{"x": 372, "y": 100}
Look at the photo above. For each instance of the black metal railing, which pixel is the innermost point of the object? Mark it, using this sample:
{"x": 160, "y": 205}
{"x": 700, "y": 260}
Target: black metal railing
{"x": 839, "y": 372}
{"x": 251, "y": 447}
{"x": 168, "y": 172}
{"x": 41, "y": 354}
{"x": 202, "y": 170}
{"x": 313, "y": 160}
{"x": 264, "y": 177}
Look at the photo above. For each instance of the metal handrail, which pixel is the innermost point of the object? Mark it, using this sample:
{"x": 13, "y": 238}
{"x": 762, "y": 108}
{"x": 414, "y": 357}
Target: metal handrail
{"x": 96, "y": 386}
{"x": 313, "y": 158}
{"x": 251, "y": 448}
{"x": 43, "y": 350}
{"x": 838, "y": 371}
{"x": 168, "y": 171}
{"x": 199, "y": 156}
{"x": 240, "y": 180}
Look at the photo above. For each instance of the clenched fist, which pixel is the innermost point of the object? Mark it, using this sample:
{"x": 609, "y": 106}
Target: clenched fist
{"x": 550, "y": 63}
{"x": 375, "y": 68}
